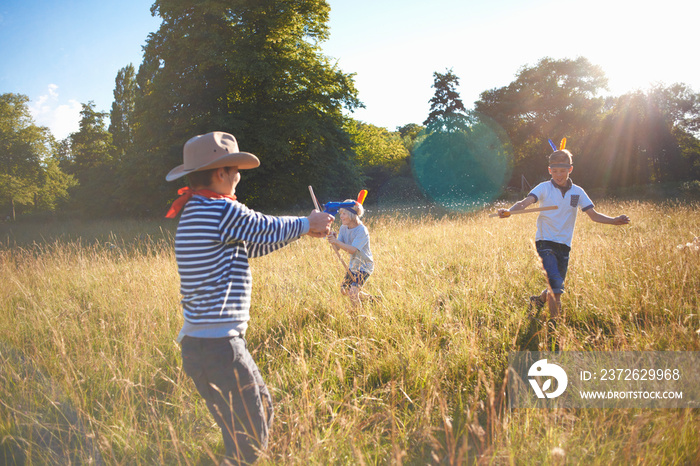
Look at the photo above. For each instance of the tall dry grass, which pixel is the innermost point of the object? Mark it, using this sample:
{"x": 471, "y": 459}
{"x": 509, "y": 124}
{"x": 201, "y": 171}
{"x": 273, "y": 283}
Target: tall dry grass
{"x": 90, "y": 371}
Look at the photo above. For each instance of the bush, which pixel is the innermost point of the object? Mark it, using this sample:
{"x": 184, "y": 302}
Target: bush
{"x": 691, "y": 188}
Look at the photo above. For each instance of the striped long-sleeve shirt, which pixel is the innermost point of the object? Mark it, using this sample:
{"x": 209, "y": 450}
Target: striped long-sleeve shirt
{"x": 214, "y": 239}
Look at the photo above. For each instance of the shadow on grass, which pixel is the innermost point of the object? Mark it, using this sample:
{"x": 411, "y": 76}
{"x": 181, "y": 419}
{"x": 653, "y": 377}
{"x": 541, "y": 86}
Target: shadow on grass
{"x": 44, "y": 427}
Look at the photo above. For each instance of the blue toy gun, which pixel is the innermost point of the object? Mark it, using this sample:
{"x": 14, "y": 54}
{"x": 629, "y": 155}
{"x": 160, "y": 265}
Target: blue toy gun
{"x": 333, "y": 207}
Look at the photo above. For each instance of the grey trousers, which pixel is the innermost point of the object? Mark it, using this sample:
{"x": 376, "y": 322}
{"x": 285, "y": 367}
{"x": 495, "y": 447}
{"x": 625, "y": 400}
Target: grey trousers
{"x": 229, "y": 381}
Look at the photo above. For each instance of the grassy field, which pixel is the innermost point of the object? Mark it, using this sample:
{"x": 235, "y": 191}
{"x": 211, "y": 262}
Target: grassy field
{"x": 90, "y": 372}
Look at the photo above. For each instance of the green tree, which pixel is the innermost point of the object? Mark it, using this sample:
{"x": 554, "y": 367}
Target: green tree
{"x": 381, "y": 154}
{"x": 446, "y": 107}
{"x": 30, "y": 175}
{"x": 290, "y": 99}
{"x": 23, "y": 145}
{"x": 91, "y": 145}
{"x": 254, "y": 69}
{"x": 690, "y": 153}
{"x": 461, "y": 159}
{"x": 409, "y": 133}
{"x": 121, "y": 125}
{"x": 55, "y": 186}
{"x": 680, "y": 104}
{"x": 410, "y": 130}
{"x": 553, "y": 99}
{"x": 91, "y": 162}
{"x": 645, "y": 137}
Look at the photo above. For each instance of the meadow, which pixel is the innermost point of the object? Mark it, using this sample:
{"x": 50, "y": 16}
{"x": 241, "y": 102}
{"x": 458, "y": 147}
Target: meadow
{"x": 90, "y": 372}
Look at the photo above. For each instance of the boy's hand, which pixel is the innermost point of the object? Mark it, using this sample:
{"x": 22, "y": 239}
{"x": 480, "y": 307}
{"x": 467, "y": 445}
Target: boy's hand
{"x": 503, "y": 213}
{"x": 621, "y": 220}
{"x": 332, "y": 237}
{"x": 319, "y": 224}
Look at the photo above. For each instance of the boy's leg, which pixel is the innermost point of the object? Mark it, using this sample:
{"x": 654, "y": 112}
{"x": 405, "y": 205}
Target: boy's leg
{"x": 229, "y": 381}
{"x": 562, "y": 256}
{"x": 346, "y": 285}
{"x": 255, "y": 401}
{"x": 554, "y": 304}
{"x": 352, "y": 285}
{"x": 554, "y": 263}
{"x": 354, "y": 294}
{"x": 538, "y": 301}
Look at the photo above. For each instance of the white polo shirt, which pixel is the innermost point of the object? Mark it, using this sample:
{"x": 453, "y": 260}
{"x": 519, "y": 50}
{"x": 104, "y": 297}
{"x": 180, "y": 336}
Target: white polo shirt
{"x": 558, "y": 225}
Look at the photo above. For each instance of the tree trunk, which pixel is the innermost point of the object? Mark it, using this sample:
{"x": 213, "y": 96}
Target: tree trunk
{"x": 12, "y": 202}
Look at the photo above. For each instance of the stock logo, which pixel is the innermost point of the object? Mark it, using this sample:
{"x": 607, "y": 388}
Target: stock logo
{"x": 549, "y": 371}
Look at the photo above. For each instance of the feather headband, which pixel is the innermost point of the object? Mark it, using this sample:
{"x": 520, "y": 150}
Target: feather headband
{"x": 562, "y": 145}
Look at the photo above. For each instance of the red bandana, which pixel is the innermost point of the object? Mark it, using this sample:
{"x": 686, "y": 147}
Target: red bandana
{"x": 186, "y": 194}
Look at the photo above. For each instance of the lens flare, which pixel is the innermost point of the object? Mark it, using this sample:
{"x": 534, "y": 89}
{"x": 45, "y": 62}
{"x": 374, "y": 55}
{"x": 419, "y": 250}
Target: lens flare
{"x": 463, "y": 163}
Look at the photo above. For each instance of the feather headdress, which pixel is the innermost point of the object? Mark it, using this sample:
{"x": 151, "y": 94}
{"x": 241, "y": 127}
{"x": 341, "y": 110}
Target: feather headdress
{"x": 562, "y": 145}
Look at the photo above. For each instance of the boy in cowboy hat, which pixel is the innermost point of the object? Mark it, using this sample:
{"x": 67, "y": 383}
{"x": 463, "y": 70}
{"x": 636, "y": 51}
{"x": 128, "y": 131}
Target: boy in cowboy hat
{"x": 555, "y": 228}
{"x": 215, "y": 237}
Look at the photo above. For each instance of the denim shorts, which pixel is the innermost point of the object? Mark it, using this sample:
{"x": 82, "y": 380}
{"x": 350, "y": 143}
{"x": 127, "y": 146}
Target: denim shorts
{"x": 354, "y": 279}
{"x": 555, "y": 260}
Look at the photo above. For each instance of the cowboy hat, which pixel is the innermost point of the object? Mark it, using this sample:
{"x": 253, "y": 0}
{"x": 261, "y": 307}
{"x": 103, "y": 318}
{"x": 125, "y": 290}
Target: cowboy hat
{"x": 212, "y": 150}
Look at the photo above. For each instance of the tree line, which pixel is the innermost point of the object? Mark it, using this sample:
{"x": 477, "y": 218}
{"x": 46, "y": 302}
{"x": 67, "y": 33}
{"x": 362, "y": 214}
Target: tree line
{"x": 256, "y": 70}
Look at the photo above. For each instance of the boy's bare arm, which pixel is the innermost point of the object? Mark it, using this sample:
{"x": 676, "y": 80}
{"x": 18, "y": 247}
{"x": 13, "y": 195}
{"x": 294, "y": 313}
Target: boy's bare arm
{"x": 333, "y": 239}
{"x": 520, "y": 205}
{"x": 601, "y": 218}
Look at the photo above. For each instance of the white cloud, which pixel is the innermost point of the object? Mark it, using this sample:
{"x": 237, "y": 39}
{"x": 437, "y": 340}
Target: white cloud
{"x": 62, "y": 118}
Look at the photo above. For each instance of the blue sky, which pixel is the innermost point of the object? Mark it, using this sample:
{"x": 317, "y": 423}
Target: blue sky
{"x": 62, "y": 54}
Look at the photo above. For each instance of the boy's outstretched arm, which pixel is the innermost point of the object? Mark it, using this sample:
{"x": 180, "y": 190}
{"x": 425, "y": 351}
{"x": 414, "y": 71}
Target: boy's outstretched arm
{"x": 600, "y": 218}
{"x": 520, "y": 205}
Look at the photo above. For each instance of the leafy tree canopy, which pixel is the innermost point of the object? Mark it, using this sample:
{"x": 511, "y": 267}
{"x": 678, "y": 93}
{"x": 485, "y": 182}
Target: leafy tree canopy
{"x": 680, "y": 104}
{"x": 90, "y": 159}
{"x": 253, "y": 68}
{"x": 23, "y": 146}
{"x": 380, "y": 154}
{"x": 446, "y": 106}
{"x": 29, "y": 173}
{"x": 644, "y": 137}
{"x": 552, "y": 99}
{"x": 546, "y": 100}
{"x": 122, "y": 122}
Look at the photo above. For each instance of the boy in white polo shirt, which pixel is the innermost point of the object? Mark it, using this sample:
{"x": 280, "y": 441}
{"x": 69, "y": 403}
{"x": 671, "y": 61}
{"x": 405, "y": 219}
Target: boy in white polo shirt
{"x": 555, "y": 228}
